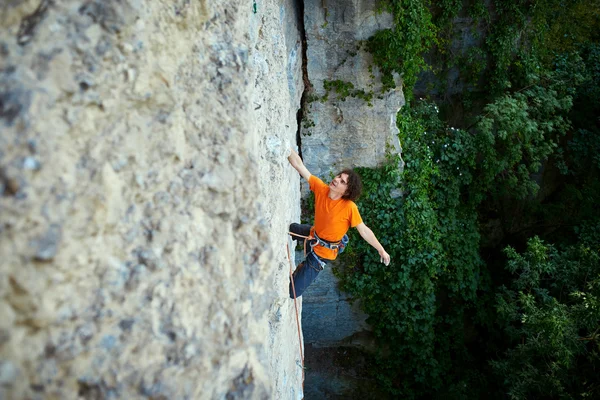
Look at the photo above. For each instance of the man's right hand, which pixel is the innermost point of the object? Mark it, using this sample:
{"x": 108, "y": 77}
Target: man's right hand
{"x": 298, "y": 165}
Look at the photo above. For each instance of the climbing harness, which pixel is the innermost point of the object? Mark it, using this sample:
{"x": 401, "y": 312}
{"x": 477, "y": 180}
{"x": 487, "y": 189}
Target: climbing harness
{"x": 297, "y": 317}
{"x": 328, "y": 245}
{"x": 306, "y": 239}
{"x": 314, "y": 240}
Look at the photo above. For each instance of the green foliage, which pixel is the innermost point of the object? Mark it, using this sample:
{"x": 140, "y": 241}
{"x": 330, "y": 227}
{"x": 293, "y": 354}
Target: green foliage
{"x": 401, "y": 48}
{"x": 452, "y": 325}
{"x": 420, "y": 302}
{"x": 398, "y": 298}
{"x": 551, "y": 315}
{"x": 583, "y": 153}
{"x": 556, "y": 19}
{"x": 514, "y": 142}
{"x": 478, "y": 12}
{"x": 472, "y": 64}
{"x": 307, "y": 123}
{"x": 577, "y": 155}
{"x": 311, "y": 98}
{"x": 527, "y": 37}
{"x": 345, "y": 89}
{"x": 433, "y": 241}
{"x": 342, "y": 88}
{"x": 519, "y": 38}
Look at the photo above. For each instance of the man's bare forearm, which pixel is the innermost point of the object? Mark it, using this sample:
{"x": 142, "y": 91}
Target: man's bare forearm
{"x": 294, "y": 159}
{"x": 298, "y": 165}
{"x": 367, "y": 234}
{"x": 370, "y": 238}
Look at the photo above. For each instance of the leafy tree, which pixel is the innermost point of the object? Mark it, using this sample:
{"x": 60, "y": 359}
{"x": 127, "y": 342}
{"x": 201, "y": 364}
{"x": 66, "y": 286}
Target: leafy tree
{"x": 551, "y": 316}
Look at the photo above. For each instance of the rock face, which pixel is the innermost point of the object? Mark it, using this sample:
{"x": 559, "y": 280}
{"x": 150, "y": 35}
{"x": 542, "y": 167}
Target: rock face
{"x": 145, "y": 197}
{"x": 348, "y": 132}
{"x": 328, "y": 315}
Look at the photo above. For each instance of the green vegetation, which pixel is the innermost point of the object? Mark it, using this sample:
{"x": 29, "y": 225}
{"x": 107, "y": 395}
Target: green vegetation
{"x": 344, "y": 90}
{"x": 550, "y": 314}
{"x": 494, "y": 287}
{"x": 400, "y": 49}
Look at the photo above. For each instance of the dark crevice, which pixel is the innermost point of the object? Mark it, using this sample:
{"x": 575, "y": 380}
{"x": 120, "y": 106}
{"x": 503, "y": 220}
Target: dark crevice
{"x": 299, "y": 115}
{"x": 305, "y": 80}
{"x": 30, "y": 22}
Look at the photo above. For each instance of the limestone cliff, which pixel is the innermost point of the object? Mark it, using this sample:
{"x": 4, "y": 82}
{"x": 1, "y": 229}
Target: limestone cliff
{"x": 346, "y": 131}
{"x": 145, "y": 199}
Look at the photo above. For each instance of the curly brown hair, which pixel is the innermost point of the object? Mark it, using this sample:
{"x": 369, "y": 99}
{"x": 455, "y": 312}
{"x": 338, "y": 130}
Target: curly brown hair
{"x": 354, "y": 185}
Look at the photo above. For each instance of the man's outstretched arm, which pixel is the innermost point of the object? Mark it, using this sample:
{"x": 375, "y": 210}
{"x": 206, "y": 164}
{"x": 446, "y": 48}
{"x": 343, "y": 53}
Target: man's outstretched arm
{"x": 370, "y": 238}
{"x": 298, "y": 165}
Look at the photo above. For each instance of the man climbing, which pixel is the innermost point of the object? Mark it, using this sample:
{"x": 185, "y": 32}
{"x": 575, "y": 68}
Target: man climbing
{"x": 335, "y": 213}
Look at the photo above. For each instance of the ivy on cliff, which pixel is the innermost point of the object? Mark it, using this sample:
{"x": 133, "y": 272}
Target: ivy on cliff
{"x": 433, "y": 240}
{"x": 419, "y": 305}
{"x": 401, "y": 48}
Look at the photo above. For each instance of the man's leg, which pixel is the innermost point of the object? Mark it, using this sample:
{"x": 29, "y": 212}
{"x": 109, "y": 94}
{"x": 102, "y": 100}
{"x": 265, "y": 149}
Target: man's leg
{"x": 305, "y": 274}
{"x": 301, "y": 229}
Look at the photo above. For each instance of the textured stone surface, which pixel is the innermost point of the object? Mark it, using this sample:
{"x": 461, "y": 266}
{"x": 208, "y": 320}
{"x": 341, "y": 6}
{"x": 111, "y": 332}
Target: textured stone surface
{"x": 346, "y": 133}
{"x": 329, "y": 317}
{"x": 144, "y": 199}
{"x": 277, "y": 59}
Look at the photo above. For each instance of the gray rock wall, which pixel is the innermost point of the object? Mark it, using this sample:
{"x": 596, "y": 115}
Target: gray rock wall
{"x": 276, "y": 60}
{"x": 346, "y": 133}
{"x": 329, "y": 316}
{"x": 144, "y": 199}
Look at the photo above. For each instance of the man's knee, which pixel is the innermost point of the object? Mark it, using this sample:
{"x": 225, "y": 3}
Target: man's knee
{"x": 300, "y": 229}
{"x": 298, "y": 282}
{"x": 298, "y": 291}
{"x": 295, "y": 227}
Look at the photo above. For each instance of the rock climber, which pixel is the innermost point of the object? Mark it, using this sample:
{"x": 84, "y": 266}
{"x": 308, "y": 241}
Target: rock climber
{"x": 335, "y": 213}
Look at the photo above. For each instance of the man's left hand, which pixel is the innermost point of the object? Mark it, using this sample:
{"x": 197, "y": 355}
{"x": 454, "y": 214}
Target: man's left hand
{"x": 384, "y": 257}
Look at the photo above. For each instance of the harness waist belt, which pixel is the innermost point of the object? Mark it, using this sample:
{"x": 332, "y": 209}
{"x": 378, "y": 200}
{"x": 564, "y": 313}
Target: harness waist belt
{"x": 326, "y": 244}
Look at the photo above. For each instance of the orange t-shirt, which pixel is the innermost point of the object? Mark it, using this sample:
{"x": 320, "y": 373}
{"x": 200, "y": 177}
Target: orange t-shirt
{"x": 333, "y": 218}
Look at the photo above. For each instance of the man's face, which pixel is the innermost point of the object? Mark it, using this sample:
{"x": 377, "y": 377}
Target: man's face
{"x": 339, "y": 184}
